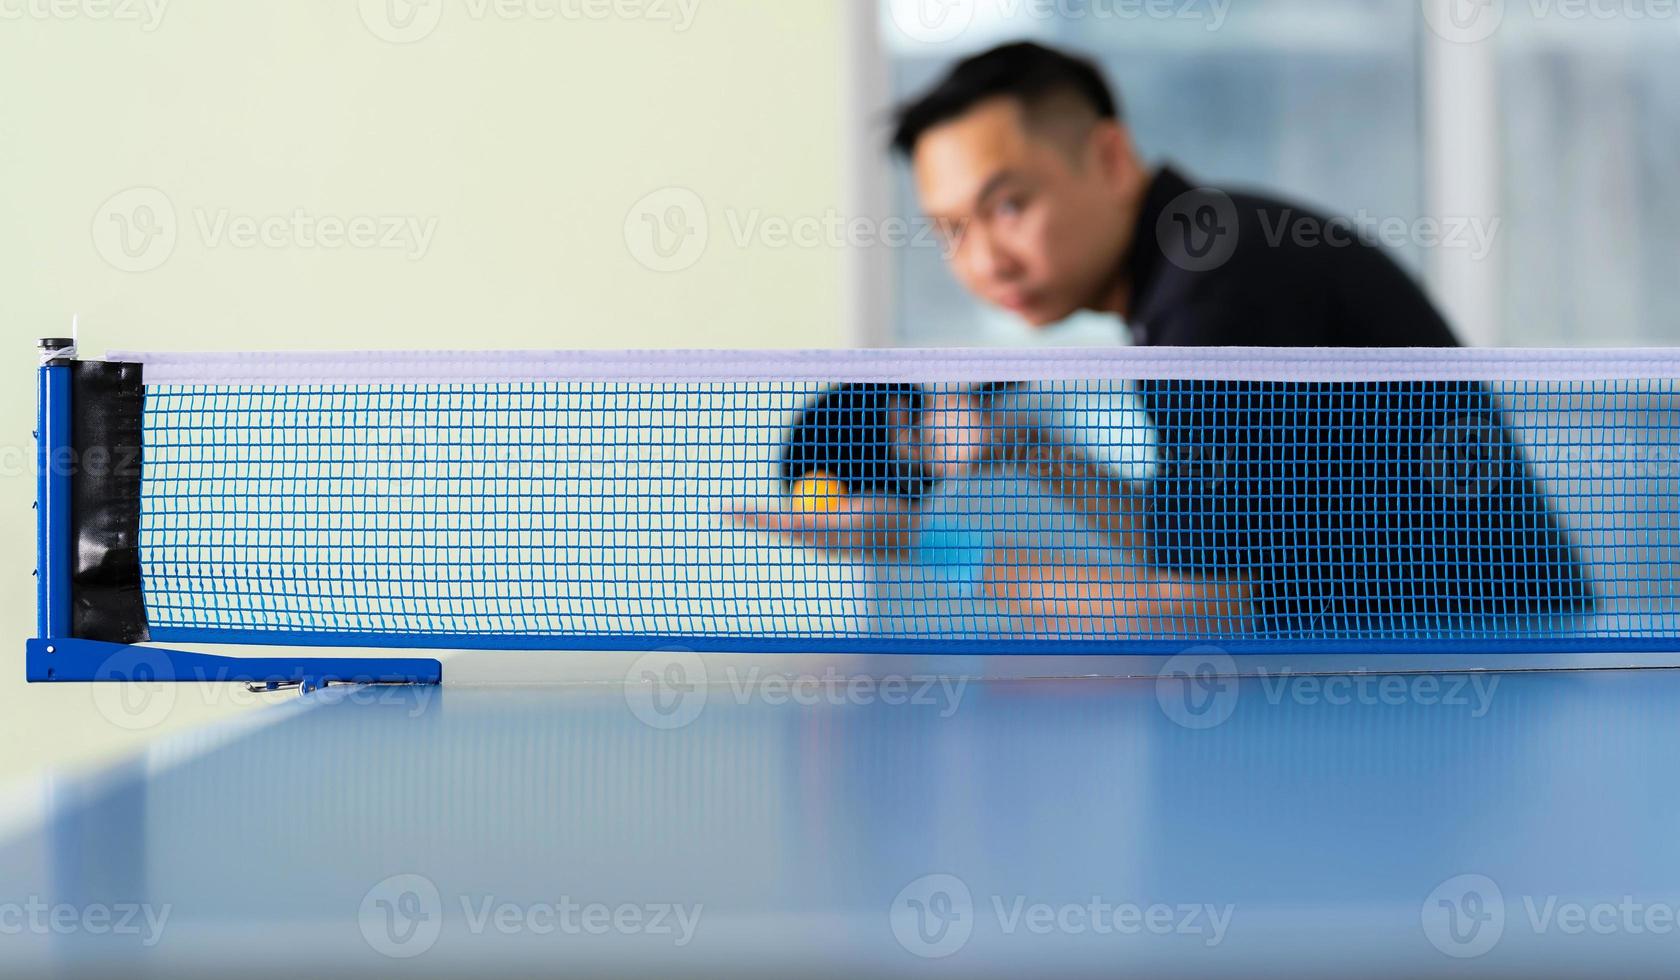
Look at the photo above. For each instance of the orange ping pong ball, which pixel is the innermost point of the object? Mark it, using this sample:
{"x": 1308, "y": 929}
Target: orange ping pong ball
{"x": 817, "y": 493}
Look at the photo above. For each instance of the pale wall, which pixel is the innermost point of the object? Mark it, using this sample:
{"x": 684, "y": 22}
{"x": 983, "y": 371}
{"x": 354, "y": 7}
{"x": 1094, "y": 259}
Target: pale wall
{"x": 529, "y": 142}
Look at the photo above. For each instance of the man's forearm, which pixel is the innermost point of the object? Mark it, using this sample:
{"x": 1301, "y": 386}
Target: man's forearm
{"x": 1113, "y": 505}
{"x": 1048, "y": 595}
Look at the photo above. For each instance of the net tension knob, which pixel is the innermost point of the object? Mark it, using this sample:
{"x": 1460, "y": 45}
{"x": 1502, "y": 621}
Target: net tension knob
{"x": 56, "y": 349}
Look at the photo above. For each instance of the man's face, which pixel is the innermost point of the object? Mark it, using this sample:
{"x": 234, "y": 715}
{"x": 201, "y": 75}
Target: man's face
{"x": 1036, "y": 221}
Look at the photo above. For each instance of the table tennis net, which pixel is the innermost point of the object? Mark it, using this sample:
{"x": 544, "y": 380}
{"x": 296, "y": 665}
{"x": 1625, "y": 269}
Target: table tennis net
{"x": 875, "y": 500}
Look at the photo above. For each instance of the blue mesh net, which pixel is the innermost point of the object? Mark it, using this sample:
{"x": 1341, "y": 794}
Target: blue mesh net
{"x": 495, "y": 513}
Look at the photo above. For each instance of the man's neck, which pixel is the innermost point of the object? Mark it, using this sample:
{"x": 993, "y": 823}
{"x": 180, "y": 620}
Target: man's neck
{"x": 1116, "y": 297}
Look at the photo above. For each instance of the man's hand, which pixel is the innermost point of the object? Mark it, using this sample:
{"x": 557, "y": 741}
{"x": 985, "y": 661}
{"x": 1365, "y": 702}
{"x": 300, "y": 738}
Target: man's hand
{"x": 866, "y": 528}
{"x": 955, "y": 436}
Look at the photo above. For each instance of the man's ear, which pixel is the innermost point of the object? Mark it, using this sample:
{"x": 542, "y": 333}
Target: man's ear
{"x": 1114, "y": 154}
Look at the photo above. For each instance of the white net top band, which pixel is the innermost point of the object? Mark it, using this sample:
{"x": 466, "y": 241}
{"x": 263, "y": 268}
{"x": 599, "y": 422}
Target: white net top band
{"x": 911, "y": 365}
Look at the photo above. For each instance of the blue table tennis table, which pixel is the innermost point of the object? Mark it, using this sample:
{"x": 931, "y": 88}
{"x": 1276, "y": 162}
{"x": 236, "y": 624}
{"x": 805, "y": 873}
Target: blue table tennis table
{"x": 747, "y": 812}
{"x": 1507, "y": 824}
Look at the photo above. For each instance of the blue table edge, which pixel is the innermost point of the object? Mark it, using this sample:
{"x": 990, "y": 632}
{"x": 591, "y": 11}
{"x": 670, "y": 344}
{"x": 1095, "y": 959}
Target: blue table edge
{"x": 72, "y": 660}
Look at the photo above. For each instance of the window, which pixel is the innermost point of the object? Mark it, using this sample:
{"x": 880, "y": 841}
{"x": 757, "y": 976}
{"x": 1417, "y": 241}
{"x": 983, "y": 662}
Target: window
{"x": 1550, "y": 146}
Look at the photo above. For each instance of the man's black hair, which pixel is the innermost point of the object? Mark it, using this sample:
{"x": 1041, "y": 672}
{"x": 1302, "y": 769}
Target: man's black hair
{"x": 1030, "y": 73}
{"x": 850, "y": 433}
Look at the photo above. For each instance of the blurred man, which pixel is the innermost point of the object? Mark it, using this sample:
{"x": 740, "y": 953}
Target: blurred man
{"x": 1022, "y": 158}
{"x": 1346, "y": 511}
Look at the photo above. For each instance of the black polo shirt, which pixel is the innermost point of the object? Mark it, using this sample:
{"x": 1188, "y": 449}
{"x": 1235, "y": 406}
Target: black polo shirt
{"x": 1211, "y": 268}
{"x": 1348, "y": 507}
